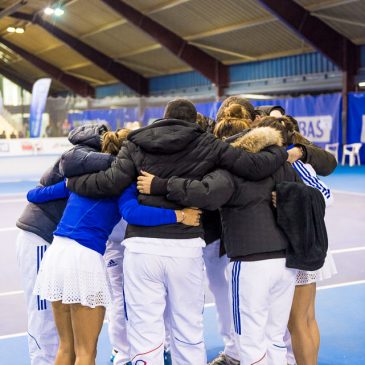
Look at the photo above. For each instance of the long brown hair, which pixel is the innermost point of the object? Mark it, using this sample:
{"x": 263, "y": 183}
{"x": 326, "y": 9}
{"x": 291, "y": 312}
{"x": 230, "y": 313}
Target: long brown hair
{"x": 112, "y": 141}
{"x": 236, "y": 119}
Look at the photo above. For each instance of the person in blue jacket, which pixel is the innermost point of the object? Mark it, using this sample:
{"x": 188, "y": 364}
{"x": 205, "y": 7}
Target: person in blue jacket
{"x": 73, "y": 275}
{"x": 36, "y": 226}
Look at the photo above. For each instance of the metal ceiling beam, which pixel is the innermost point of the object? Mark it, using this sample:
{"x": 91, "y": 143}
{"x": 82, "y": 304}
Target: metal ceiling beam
{"x": 208, "y": 66}
{"x": 224, "y": 51}
{"x": 122, "y": 73}
{"x": 340, "y": 50}
{"x": 104, "y": 28}
{"x": 76, "y": 85}
{"x": 209, "y": 33}
{"x": 321, "y": 36}
{"x": 337, "y": 19}
{"x": 12, "y": 8}
{"x": 15, "y": 77}
{"x": 329, "y": 4}
{"x": 87, "y": 78}
{"x": 166, "y": 6}
{"x": 231, "y": 28}
{"x": 117, "y": 23}
{"x": 269, "y": 56}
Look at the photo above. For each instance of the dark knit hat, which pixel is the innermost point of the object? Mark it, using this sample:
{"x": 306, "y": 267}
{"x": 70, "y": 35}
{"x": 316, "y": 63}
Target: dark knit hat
{"x": 180, "y": 109}
{"x": 235, "y": 100}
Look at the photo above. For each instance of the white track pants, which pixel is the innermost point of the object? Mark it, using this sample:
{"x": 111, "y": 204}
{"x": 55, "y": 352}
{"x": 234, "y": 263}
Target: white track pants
{"x": 151, "y": 282}
{"x": 117, "y": 328}
{"x": 217, "y": 275}
{"x": 262, "y": 295}
{"x": 42, "y": 333}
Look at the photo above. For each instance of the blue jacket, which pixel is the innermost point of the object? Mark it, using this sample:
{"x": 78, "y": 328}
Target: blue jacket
{"x": 90, "y": 221}
{"x": 42, "y": 219}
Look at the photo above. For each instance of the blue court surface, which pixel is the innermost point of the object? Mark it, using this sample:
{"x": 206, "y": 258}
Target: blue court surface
{"x": 340, "y": 300}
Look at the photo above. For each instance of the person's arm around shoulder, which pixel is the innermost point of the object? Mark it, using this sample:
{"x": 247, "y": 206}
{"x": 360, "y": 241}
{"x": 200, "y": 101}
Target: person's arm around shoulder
{"x": 43, "y": 194}
{"x": 322, "y": 161}
{"x": 210, "y": 193}
{"x": 251, "y": 166}
{"x": 81, "y": 160}
{"x": 110, "y": 182}
{"x": 142, "y": 215}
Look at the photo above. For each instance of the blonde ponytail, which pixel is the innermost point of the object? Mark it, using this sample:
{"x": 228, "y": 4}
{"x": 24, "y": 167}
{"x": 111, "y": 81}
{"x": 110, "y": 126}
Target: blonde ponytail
{"x": 235, "y": 119}
{"x": 112, "y": 141}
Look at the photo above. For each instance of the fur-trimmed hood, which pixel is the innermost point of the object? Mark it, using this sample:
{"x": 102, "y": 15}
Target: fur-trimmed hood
{"x": 259, "y": 138}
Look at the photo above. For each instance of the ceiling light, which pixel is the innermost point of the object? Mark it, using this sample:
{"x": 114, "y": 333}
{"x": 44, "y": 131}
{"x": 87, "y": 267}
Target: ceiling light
{"x": 11, "y": 29}
{"x": 362, "y": 84}
{"x": 48, "y": 11}
{"x": 58, "y": 11}
{"x": 19, "y": 30}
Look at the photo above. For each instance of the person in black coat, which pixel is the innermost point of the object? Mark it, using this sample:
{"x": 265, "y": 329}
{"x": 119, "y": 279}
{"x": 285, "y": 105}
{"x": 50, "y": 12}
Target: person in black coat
{"x": 262, "y": 287}
{"x": 215, "y": 258}
{"x": 37, "y": 224}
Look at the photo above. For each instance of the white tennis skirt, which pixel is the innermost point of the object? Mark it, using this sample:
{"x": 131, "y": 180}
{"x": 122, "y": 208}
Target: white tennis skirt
{"x": 72, "y": 273}
{"x": 325, "y": 272}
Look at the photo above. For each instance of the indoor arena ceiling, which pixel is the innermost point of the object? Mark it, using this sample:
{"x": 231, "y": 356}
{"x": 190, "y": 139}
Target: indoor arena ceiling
{"x": 231, "y": 31}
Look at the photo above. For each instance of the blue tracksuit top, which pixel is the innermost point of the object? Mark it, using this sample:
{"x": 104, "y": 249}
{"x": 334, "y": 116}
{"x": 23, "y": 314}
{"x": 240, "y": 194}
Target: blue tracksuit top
{"x": 90, "y": 221}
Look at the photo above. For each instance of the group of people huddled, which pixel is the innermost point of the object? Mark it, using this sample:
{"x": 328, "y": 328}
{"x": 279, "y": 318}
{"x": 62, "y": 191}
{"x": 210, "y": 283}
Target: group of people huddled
{"x": 134, "y": 222}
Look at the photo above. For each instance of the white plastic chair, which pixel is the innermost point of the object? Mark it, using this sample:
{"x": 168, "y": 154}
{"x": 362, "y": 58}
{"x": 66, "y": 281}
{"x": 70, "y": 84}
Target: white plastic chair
{"x": 353, "y": 151}
{"x": 332, "y": 149}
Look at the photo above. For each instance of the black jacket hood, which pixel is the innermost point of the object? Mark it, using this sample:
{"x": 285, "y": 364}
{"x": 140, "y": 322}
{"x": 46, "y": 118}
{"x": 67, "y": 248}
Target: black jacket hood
{"x": 88, "y": 134}
{"x": 166, "y": 136}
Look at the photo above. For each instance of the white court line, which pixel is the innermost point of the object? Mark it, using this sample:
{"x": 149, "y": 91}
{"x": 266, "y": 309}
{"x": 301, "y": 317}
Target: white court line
{"x": 209, "y": 305}
{"x": 348, "y": 192}
{"x": 7, "y": 229}
{"x": 20, "y": 200}
{"x": 8, "y": 293}
{"x": 340, "y": 285}
{"x": 12, "y": 194}
{"x": 351, "y": 249}
{"x": 20, "y": 334}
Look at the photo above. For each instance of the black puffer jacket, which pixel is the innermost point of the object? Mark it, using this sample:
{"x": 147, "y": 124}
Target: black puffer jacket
{"x": 173, "y": 148}
{"x": 85, "y": 157}
{"x": 42, "y": 219}
{"x": 248, "y": 217}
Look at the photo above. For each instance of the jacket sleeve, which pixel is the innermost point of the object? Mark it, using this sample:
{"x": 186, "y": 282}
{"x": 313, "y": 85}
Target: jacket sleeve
{"x": 322, "y": 161}
{"x": 110, "y": 182}
{"x": 213, "y": 191}
{"x": 142, "y": 215}
{"x": 251, "y": 166}
{"x": 47, "y": 193}
{"x": 80, "y": 161}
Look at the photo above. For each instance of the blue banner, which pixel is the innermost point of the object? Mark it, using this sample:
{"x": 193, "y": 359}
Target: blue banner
{"x": 37, "y": 106}
{"x": 356, "y": 121}
{"x": 115, "y": 118}
{"x": 319, "y": 117}
{"x": 153, "y": 113}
